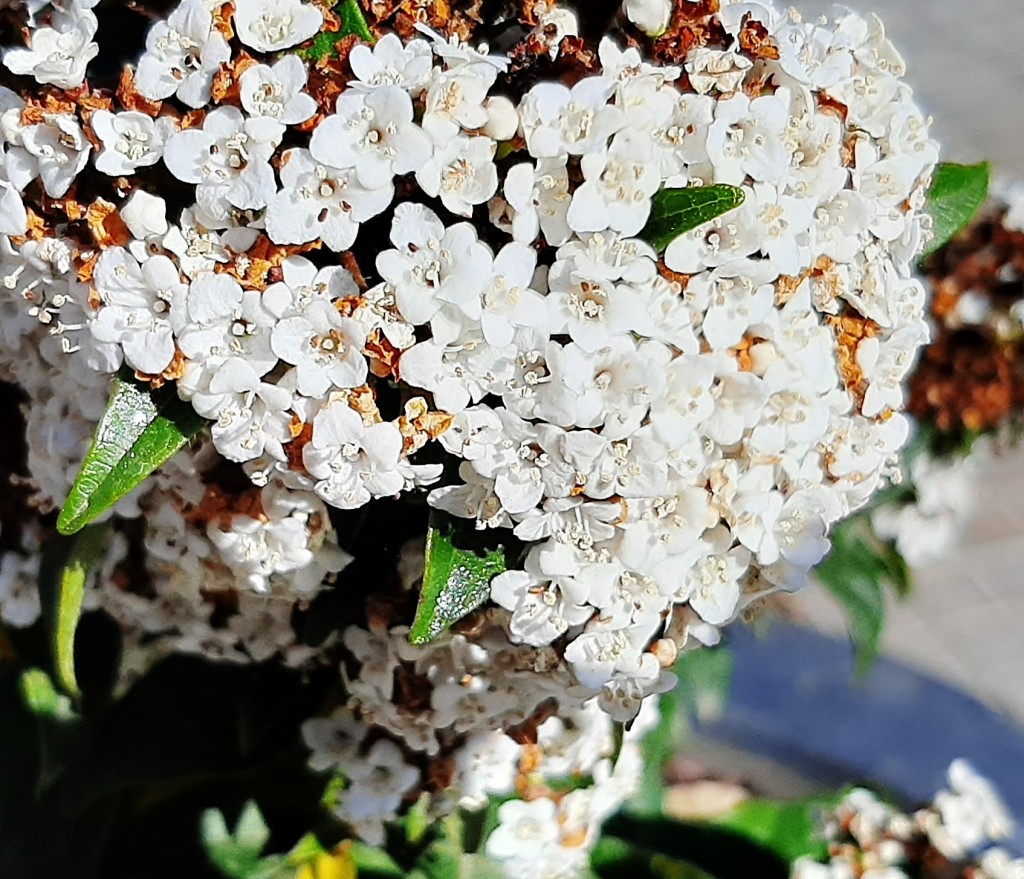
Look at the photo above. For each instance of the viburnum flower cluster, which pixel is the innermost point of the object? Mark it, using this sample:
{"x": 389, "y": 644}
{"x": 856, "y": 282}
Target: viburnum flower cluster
{"x": 957, "y": 835}
{"x": 418, "y": 268}
{"x": 966, "y": 391}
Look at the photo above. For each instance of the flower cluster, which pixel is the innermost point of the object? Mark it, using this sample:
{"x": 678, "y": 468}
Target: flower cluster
{"x": 967, "y": 389}
{"x": 955, "y": 836}
{"x": 669, "y": 435}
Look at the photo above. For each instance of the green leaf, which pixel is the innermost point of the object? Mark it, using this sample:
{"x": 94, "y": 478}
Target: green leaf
{"x": 789, "y": 829}
{"x": 418, "y": 820}
{"x": 675, "y": 211}
{"x": 375, "y": 862}
{"x": 856, "y": 573}
{"x": 456, "y": 579}
{"x": 353, "y": 23}
{"x": 140, "y": 430}
{"x": 80, "y": 556}
{"x": 237, "y": 854}
{"x": 956, "y": 194}
{"x": 42, "y": 697}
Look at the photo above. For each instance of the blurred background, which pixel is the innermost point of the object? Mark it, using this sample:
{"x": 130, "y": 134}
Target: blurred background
{"x": 965, "y": 621}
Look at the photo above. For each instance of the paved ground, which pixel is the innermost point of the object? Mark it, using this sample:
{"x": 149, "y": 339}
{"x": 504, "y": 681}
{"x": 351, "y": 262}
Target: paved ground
{"x": 966, "y": 622}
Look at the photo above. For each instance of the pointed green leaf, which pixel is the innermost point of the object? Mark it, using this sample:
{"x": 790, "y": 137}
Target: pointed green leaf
{"x": 353, "y": 23}
{"x": 140, "y": 430}
{"x": 42, "y": 697}
{"x": 675, "y": 211}
{"x": 85, "y": 554}
{"x": 956, "y": 194}
{"x": 456, "y": 579}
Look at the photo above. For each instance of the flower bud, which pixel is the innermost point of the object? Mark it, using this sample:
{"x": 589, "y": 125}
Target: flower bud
{"x": 503, "y": 121}
{"x": 651, "y": 16}
{"x": 145, "y": 214}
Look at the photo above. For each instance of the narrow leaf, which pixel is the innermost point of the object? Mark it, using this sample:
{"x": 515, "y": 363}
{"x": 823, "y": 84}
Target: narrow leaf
{"x": 353, "y": 21}
{"x": 676, "y": 211}
{"x": 140, "y": 430}
{"x": 456, "y": 579}
{"x": 85, "y": 555}
{"x": 956, "y": 194}
{"x": 42, "y": 697}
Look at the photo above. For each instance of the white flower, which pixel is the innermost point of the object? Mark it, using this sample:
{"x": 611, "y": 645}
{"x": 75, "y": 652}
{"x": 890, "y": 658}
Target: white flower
{"x": 377, "y": 784}
{"x": 372, "y": 132}
{"x": 651, "y": 16}
{"x": 182, "y": 55}
{"x": 61, "y": 150}
{"x": 251, "y": 416}
{"x": 714, "y": 69}
{"x": 228, "y": 159}
{"x": 712, "y": 584}
{"x": 136, "y": 300}
{"x": 276, "y": 92}
{"x": 455, "y": 100}
{"x": 462, "y": 172}
{"x": 325, "y": 348}
{"x": 735, "y": 296}
{"x": 199, "y": 249}
{"x": 273, "y": 25}
{"x": 303, "y": 283}
{"x": 731, "y": 236}
{"x": 389, "y": 62}
{"x": 526, "y": 832}
{"x": 972, "y": 812}
{"x": 747, "y": 138}
{"x": 433, "y": 265}
{"x": 19, "y": 593}
{"x": 352, "y": 462}
{"x": 558, "y": 120}
{"x": 456, "y": 365}
{"x": 475, "y": 499}
{"x": 540, "y": 199}
{"x": 57, "y": 56}
{"x": 130, "y": 140}
{"x": 333, "y": 740}
{"x": 542, "y": 610}
{"x": 664, "y": 526}
{"x": 318, "y": 201}
{"x": 508, "y": 302}
{"x": 502, "y": 118}
{"x": 214, "y": 319}
{"x": 619, "y": 183}
{"x": 13, "y": 216}
{"x": 591, "y": 307}
{"x": 885, "y": 364}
